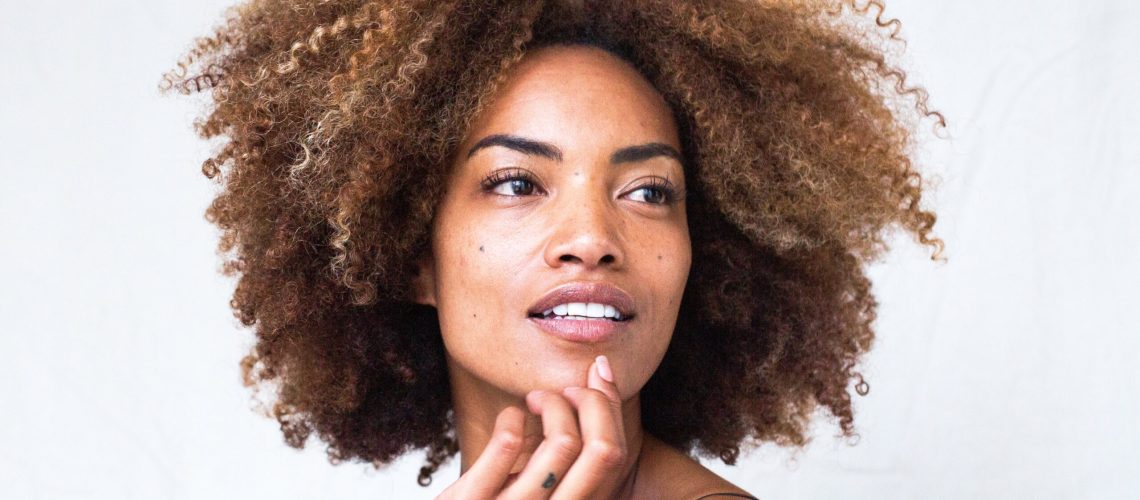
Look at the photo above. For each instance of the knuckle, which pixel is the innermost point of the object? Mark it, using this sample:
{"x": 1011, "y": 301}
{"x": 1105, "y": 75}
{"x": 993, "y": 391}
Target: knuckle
{"x": 608, "y": 454}
{"x": 566, "y": 445}
{"x": 509, "y": 441}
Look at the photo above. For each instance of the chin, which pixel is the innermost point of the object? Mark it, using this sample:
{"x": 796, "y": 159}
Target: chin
{"x": 556, "y": 376}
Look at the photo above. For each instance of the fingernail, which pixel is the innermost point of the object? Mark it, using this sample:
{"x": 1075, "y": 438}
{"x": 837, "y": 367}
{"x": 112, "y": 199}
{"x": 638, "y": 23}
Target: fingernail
{"x": 604, "y": 368}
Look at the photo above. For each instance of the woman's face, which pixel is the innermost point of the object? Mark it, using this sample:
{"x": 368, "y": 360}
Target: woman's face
{"x": 570, "y": 183}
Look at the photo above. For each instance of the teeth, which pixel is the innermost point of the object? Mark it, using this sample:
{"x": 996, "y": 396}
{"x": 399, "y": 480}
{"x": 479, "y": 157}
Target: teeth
{"x": 610, "y": 311}
{"x": 595, "y": 310}
{"x": 583, "y": 310}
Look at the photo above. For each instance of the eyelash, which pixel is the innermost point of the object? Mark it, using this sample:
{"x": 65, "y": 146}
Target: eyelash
{"x": 498, "y": 177}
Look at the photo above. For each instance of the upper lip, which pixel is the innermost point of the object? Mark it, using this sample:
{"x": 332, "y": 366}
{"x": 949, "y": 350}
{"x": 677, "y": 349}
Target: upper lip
{"x": 596, "y": 292}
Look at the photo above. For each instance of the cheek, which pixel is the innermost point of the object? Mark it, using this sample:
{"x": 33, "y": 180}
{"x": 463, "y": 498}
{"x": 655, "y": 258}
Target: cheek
{"x": 476, "y": 270}
{"x": 674, "y": 262}
{"x": 464, "y": 278}
{"x": 670, "y": 258}
{"x": 662, "y": 264}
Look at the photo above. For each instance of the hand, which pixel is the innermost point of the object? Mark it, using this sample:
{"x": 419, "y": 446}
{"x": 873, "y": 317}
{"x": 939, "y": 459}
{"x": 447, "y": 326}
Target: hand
{"x": 582, "y": 453}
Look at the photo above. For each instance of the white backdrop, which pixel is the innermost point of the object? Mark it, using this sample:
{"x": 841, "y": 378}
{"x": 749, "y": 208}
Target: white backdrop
{"x": 1009, "y": 372}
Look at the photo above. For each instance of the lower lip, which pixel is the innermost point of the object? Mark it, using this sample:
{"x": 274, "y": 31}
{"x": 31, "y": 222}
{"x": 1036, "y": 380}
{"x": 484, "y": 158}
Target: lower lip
{"x": 581, "y": 330}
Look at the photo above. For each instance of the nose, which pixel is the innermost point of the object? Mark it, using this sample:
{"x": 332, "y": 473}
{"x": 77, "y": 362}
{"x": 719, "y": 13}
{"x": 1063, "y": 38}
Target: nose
{"x": 585, "y": 232}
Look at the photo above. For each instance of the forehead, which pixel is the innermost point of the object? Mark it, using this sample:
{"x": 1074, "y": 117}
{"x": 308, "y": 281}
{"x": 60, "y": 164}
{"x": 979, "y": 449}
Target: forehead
{"x": 577, "y": 94}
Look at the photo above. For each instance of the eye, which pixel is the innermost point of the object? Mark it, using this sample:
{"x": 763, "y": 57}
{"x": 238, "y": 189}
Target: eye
{"x": 656, "y": 192}
{"x": 653, "y": 195}
{"x": 514, "y": 187}
{"x": 509, "y": 182}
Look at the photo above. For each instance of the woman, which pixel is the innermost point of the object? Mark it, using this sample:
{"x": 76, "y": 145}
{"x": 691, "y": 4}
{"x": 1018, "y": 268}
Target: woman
{"x": 575, "y": 242}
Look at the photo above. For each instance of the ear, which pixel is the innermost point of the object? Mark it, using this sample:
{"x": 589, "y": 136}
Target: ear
{"x": 423, "y": 284}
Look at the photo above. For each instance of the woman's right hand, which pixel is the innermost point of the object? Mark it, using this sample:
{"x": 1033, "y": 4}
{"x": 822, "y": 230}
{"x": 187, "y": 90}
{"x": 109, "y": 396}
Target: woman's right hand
{"x": 582, "y": 454}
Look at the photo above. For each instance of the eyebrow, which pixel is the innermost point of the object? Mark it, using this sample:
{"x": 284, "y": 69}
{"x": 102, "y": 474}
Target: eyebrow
{"x": 628, "y": 154}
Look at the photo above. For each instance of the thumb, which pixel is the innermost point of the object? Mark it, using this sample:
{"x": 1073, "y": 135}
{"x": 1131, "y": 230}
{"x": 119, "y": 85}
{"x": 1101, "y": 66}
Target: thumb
{"x": 601, "y": 378}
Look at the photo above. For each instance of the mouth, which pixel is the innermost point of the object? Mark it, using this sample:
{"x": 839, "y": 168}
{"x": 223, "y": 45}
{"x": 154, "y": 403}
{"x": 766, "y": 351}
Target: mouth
{"x": 584, "y": 301}
{"x": 583, "y": 312}
{"x": 580, "y": 311}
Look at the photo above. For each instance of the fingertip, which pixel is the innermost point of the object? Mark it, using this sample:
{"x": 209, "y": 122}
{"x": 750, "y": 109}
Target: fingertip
{"x": 599, "y": 382}
{"x": 595, "y": 381}
{"x": 510, "y": 417}
{"x": 533, "y": 400}
{"x": 602, "y": 365}
{"x": 514, "y": 412}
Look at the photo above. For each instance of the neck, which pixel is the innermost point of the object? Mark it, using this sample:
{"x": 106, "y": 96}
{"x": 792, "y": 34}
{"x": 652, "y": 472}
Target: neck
{"x": 477, "y": 404}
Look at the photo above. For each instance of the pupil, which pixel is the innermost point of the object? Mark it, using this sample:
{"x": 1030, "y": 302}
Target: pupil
{"x": 655, "y": 196}
{"x": 518, "y": 186}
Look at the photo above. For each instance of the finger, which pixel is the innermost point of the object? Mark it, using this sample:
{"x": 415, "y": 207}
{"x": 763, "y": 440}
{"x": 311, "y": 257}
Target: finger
{"x": 560, "y": 446}
{"x": 596, "y": 379}
{"x": 601, "y": 378}
{"x": 599, "y": 467}
{"x": 486, "y": 476}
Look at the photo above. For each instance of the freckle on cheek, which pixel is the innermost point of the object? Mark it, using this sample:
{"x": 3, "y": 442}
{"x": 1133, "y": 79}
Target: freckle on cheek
{"x": 481, "y": 248}
{"x": 658, "y": 257}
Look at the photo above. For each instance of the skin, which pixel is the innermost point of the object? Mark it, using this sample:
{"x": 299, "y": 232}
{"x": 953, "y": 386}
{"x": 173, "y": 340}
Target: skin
{"x": 528, "y": 404}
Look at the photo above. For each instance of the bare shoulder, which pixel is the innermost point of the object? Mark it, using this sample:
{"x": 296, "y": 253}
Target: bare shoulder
{"x": 674, "y": 475}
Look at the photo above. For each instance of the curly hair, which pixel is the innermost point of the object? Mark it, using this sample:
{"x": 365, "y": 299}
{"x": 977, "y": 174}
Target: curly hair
{"x": 339, "y": 117}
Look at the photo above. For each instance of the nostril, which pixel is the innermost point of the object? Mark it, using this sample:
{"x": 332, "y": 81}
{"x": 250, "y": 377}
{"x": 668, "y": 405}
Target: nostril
{"x": 606, "y": 259}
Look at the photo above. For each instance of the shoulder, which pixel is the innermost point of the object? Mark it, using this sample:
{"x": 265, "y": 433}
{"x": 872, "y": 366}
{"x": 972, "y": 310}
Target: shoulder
{"x": 677, "y": 476}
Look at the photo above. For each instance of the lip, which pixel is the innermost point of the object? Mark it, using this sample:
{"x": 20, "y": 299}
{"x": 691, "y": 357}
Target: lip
{"x": 584, "y": 330}
{"x": 597, "y": 292}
